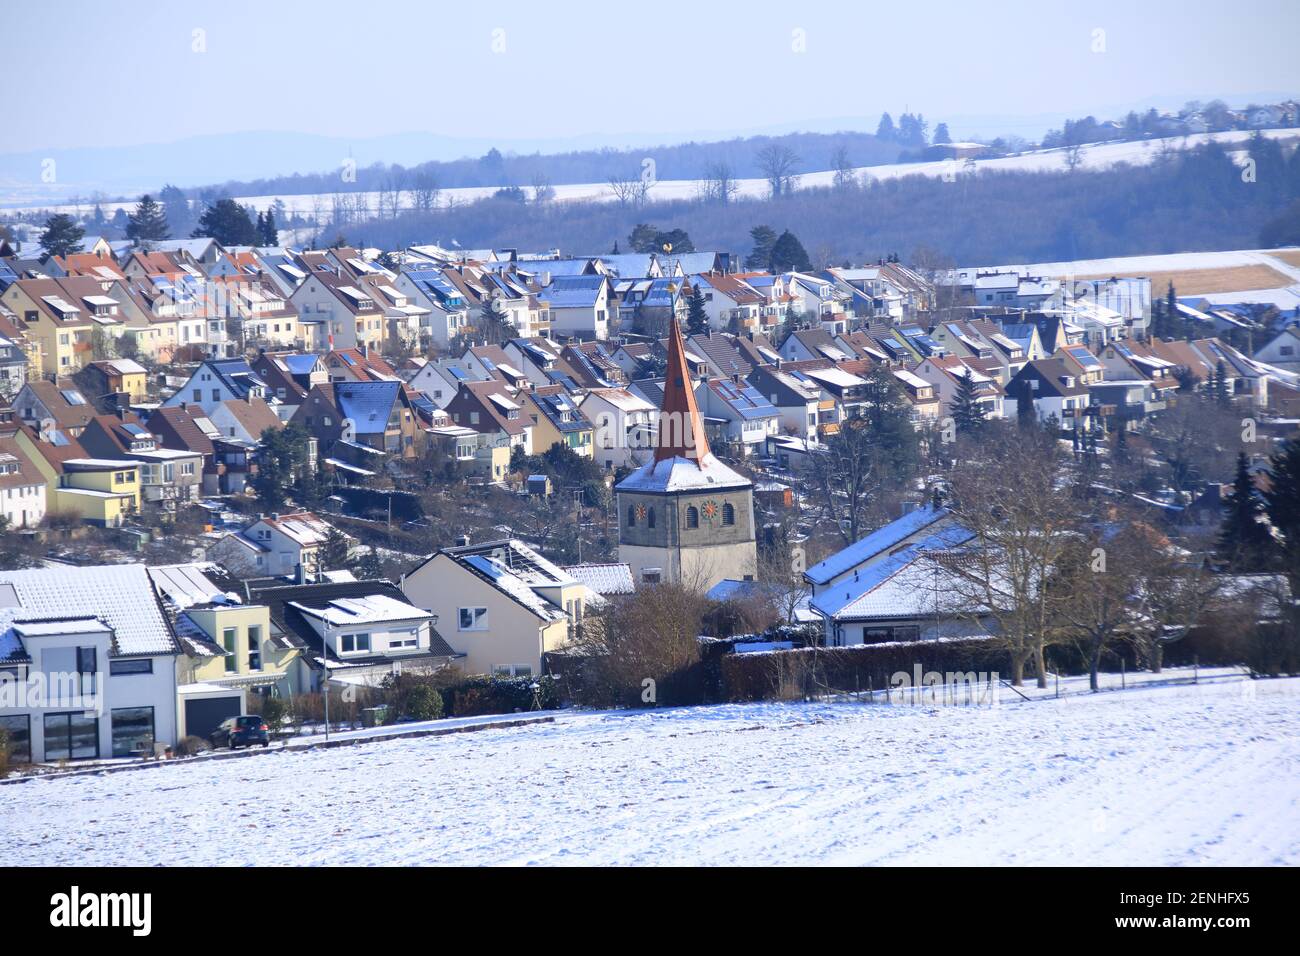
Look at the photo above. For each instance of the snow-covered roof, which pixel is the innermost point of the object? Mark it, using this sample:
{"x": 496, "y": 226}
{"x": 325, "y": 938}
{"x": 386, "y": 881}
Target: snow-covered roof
{"x": 603, "y": 578}
{"x": 120, "y": 594}
{"x": 682, "y": 474}
{"x": 369, "y": 609}
{"x": 882, "y": 539}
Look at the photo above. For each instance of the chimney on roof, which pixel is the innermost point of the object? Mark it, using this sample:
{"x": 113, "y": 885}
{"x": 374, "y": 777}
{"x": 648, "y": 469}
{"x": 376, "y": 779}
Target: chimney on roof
{"x": 462, "y": 541}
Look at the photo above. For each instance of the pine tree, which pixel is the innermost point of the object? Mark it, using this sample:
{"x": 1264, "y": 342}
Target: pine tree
{"x": 227, "y": 222}
{"x": 885, "y": 130}
{"x": 789, "y": 255}
{"x": 148, "y": 223}
{"x": 764, "y": 239}
{"x": 62, "y": 235}
{"x": 334, "y": 553}
{"x": 1026, "y": 413}
{"x": 270, "y": 231}
{"x": 941, "y": 135}
{"x": 1282, "y": 504}
{"x": 697, "y": 319}
{"x": 967, "y": 412}
{"x": 1221, "y": 393}
{"x": 1244, "y": 541}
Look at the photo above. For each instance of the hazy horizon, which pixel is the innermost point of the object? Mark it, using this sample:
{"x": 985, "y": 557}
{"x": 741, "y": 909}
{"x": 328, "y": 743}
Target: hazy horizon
{"x": 618, "y": 76}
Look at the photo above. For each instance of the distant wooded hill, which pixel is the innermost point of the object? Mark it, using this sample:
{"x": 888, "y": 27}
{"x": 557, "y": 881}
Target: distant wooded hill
{"x": 1192, "y": 200}
{"x": 682, "y": 161}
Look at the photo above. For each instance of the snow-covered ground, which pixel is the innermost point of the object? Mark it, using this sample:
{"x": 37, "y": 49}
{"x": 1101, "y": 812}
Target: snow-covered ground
{"x": 1203, "y": 774}
{"x": 1096, "y": 157}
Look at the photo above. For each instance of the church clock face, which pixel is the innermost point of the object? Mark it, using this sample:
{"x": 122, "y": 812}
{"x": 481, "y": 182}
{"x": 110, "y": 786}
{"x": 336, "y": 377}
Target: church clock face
{"x": 640, "y": 512}
{"x": 710, "y": 510}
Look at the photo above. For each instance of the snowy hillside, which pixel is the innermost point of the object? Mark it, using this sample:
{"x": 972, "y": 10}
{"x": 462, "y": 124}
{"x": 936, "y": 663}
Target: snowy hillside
{"x": 1096, "y": 157}
{"x": 1175, "y": 775}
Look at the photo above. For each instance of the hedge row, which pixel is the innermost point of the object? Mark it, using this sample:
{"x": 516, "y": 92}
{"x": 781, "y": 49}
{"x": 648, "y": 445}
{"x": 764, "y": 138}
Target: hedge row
{"x": 474, "y": 696}
{"x": 783, "y": 674}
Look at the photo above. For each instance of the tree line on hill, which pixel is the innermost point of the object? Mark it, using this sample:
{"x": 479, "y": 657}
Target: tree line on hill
{"x": 1193, "y": 199}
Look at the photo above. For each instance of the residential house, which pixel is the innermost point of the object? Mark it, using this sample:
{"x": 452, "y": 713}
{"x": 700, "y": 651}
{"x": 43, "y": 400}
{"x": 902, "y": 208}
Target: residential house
{"x": 356, "y": 633}
{"x": 744, "y": 416}
{"x": 274, "y": 545}
{"x": 557, "y": 420}
{"x": 945, "y": 374}
{"x": 500, "y": 604}
{"x": 796, "y": 398}
{"x": 733, "y": 305}
{"x": 448, "y": 310}
{"x": 491, "y": 408}
{"x": 120, "y": 377}
{"x": 225, "y": 641}
{"x": 167, "y": 475}
{"x": 65, "y": 317}
{"x": 624, "y": 426}
{"x": 244, "y": 419}
{"x": 378, "y": 416}
{"x": 216, "y": 381}
{"x": 335, "y": 312}
{"x": 58, "y": 404}
{"x": 1056, "y": 391}
{"x": 91, "y": 655}
{"x": 22, "y": 487}
{"x": 579, "y": 306}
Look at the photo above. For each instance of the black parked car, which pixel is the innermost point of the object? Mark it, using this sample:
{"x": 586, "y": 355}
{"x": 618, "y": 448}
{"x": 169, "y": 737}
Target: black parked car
{"x": 241, "y": 731}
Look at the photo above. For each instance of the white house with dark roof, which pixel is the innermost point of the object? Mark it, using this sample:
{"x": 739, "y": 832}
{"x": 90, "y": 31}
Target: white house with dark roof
{"x": 88, "y": 657}
{"x": 274, "y": 545}
{"x": 217, "y": 381}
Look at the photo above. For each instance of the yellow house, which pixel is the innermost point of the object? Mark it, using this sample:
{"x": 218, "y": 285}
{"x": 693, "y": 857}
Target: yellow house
{"x": 500, "y": 603}
{"x": 123, "y": 375}
{"x": 234, "y": 645}
{"x": 103, "y": 491}
{"x": 557, "y": 421}
{"x": 100, "y": 491}
{"x": 61, "y": 315}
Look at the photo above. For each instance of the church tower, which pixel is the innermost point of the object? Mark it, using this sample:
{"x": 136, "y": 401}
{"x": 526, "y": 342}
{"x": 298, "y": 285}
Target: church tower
{"x": 684, "y": 516}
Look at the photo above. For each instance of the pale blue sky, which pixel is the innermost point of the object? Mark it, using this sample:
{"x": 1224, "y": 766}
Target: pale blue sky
{"x": 127, "y": 74}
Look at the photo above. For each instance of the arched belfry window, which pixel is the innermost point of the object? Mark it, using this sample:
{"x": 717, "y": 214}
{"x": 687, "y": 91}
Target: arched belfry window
{"x": 650, "y": 517}
{"x": 692, "y": 517}
{"x": 631, "y": 516}
{"x": 728, "y": 513}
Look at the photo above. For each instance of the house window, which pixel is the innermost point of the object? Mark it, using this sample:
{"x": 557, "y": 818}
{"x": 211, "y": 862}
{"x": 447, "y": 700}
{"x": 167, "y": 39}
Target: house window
{"x": 71, "y": 736}
{"x": 512, "y": 670}
{"x": 255, "y": 648}
{"x": 473, "y": 619}
{"x": 228, "y": 642}
{"x": 87, "y": 667}
{"x": 141, "y": 665}
{"x": 692, "y": 517}
{"x": 728, "y": 513}
{"x": 132, "y": 730}
{"x": 18, "y": 733}
{"x": 651, "y": 575}
{"x": 355, "y": 643}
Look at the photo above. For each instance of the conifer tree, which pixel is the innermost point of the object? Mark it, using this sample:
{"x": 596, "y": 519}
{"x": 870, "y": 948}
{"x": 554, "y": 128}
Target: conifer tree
{"x": 697, "y": 319}
{"x": 1244, "y": 540}
{"x": 62, "y": 235}
{"x": 967, "y": 412}
{"x": 148, "y": 223}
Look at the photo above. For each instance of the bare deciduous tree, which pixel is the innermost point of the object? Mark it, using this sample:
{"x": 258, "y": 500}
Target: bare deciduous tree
{"x": 778, "y": 163}
{"x": 719, "y": 184}
{"x": 628, "y": 192}
{"x": 424, "y": 191}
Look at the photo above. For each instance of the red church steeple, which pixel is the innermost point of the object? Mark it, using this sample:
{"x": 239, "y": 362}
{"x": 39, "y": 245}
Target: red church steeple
{"x": 681, "y": 430}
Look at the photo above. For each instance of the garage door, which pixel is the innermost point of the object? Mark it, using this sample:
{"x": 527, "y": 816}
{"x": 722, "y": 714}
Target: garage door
{"x": 203, "y": 716}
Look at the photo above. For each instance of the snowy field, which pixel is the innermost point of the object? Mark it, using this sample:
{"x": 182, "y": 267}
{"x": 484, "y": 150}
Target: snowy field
{"x": 1203, "y": 774}
{"x": 1096, "y": 157}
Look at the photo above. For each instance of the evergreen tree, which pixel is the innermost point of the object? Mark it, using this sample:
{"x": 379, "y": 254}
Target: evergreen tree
{"x": 494, "y": 324}
{"x": 227, "y": 222}
{"x": 1026, "y": 413}
{"x": 177, "y": 204}
{"x": 697, "y": 319}
{"x": 888, "y": 415}
{"x": 789, "y": 255}
{"x": 1244, "y": 540}
{"x": 62, "y": 235}
{"x": 334, "y": 553}
{"x": 1220, "y": 386}
{"x": 369, "y": 567}
{"x": 148, "y": 223}
{"x": 941, "y": 135}
{"x": 764, "y": 239}
{"x": 270, "y": 229}
{"x": 280, "y": 459}
{"x": 885, "y": 130}
{"x": 967, "y": 412}
{"x": 1282, "y": 504}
